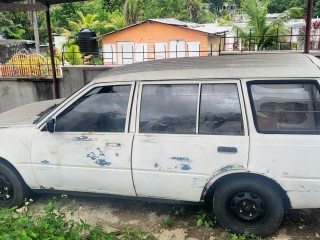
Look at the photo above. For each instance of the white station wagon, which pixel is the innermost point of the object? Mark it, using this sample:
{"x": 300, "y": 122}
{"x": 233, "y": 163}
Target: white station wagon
{"x": 241, "y": 132}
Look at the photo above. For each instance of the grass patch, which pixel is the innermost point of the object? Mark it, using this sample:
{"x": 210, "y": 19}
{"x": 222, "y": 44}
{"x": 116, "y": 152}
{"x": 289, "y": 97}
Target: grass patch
{"x": 55, "y": 224}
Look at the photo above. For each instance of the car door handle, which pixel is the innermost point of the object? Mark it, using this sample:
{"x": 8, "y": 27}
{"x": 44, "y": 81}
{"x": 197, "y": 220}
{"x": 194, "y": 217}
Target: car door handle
{"x": 228, "y": 149}
{"x": 113, "y": 145}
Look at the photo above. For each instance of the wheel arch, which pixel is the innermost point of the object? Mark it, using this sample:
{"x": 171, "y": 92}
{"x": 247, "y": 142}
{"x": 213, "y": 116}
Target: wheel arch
{"x": 14, "y": 169}
{"x": 208, "y": 192}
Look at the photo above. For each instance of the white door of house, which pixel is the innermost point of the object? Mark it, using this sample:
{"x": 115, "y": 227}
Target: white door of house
{"x": 109, "y": 54}
{"x": 193, "y": 49}
{"x": 141, "y": 52}
{"x": 125, "y": 52}
{"x": 177, "y": 48}
{"x": 160, "y": 50}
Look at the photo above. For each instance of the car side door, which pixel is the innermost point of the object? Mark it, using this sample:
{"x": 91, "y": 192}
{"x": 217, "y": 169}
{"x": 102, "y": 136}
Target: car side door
{"x": 188, "y": 132}
{"x": 90, "y": 148}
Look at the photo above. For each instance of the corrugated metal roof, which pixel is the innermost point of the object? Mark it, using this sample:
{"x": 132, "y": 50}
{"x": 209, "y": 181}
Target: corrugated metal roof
{"x": 170, "y": 21}
{"x": 209, "y": 28}
{"x": 231, "y": 66}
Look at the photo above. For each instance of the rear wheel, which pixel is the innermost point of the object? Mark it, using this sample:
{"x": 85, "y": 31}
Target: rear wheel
{"x": 12, "y": 188}
{"x": 249, "y": 205}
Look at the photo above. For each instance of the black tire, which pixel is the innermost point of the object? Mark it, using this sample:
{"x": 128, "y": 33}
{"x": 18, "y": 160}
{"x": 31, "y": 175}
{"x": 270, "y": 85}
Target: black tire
{"x": 248, "y": 204}
{"x": 12, "y": 188}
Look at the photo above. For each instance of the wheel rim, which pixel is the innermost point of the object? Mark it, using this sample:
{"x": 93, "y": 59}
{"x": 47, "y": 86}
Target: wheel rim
{"x": 6, "y": 189}
{"x": 248, "y": 206}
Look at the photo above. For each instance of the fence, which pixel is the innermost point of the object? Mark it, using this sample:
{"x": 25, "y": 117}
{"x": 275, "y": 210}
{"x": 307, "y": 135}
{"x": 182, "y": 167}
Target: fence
{"x": 33, "y": 65}
{"x": 272, "y": 42}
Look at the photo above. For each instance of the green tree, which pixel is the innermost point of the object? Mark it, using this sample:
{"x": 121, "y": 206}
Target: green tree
{"x": 112, "y": 5}
{"x": 262, "y": 30}
{"x": 316, "y": 8}
{"x": 215, "y": 5}
{"x": 15, "y": 25}
{"x": 276, "y": 6}
{"x": 131, "y": 11}
{"x": 164, "y": 9}
{"x": 116, "y": 20}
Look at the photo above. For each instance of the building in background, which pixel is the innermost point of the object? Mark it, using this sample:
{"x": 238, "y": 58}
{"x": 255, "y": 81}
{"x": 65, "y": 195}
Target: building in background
{"x": 160, "y": 39}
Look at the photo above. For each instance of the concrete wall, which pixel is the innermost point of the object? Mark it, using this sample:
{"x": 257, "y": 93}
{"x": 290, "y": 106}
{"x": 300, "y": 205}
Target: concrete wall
{"x": 75, "y": 77}
{"x": 15, "y": 92}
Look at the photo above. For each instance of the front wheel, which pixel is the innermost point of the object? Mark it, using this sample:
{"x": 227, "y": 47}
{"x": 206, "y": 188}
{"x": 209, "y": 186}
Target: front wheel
{"x": 251, "y": 205}
{"x": 12, "y": 188}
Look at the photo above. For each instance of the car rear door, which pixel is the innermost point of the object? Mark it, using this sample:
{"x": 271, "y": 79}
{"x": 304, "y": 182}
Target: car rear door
{"x": 187, "y": 132}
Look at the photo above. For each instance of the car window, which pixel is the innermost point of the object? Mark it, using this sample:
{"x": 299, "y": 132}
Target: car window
{"x": 172, "y": 109}
{"x": 286, "y": 107}
{"x": 220, "y": 111}
{"x": 169, "y": 108}
{"x": 103, "y": 109}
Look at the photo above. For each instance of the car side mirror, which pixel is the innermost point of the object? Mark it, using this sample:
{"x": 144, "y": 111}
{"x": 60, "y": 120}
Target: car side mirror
{"x": 50, "y": 125}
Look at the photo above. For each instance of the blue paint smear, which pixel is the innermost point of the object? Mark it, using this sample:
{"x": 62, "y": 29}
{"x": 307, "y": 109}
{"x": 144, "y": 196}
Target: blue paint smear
{"x": 45, "y": 162}
{"x": 101, "y": 153}
{"x": 92, "y": 156}
{"x": 156, "y": 165}
{"x": 98, "y": 159}
{"x": 102, "y": 162}
{"x": 81, "y": 138}
{"x": 181, "y": 159}
{"x": 185, "y": 167}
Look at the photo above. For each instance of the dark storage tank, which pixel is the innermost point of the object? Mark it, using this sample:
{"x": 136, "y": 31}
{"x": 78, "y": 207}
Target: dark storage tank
{"x": 87, "y": 42}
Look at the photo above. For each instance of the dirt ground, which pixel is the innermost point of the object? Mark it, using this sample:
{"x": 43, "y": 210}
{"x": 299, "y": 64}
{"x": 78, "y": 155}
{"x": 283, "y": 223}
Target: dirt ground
{"x": 172, "y": 221}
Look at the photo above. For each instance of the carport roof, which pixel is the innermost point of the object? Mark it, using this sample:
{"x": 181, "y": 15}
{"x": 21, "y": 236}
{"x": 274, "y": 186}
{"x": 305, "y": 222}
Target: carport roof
{"x": 40, "y": 5}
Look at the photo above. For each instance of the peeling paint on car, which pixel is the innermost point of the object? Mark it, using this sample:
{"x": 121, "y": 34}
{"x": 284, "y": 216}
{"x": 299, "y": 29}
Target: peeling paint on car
{"x": 156, "y": 165}
{"x": 185, "y": 167}
{"x": 98, "y": 158}
{"x": 45, "y": 162}
{"x": 81, "y": 138}
{"x": 181, "y": 159}
{"x": 228, "y": 168}
{"x": 102, "y": 162}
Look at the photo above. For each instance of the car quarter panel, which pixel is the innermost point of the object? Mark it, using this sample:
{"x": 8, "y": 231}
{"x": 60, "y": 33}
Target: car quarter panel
{"x": 291, "y": 159}
{"x": 15, "y": 144}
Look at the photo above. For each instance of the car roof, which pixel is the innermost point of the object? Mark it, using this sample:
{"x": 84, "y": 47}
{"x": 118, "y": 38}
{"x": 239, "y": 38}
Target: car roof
{"x": 247, "y": 66}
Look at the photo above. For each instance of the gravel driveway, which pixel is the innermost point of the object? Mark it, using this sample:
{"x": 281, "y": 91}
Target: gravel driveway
{"x": 171, "y": 221}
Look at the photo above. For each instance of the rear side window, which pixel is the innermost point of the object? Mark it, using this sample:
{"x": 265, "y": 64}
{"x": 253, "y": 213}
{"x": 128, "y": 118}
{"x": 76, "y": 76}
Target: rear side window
{"x": 183, "y": 109}
{"x": 286, "y": 107}
{"x": 169, "y": 109}
{"x": 220, "y": 112}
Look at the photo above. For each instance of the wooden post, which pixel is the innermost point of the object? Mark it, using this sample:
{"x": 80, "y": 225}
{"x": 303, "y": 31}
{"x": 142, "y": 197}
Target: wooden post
{"x": 308, "y": 27}
{"x": 53, "y": 64}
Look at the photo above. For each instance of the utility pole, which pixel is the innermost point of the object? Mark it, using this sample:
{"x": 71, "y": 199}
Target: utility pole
{"x": 33, "y": 17}
{"x": 308, "y": 27}
{"x": 36, "y": 29}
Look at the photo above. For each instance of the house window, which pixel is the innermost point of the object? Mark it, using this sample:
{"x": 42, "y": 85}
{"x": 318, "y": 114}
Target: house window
{"x": 103, "y": 109}
{"x": 286, "y": 107}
